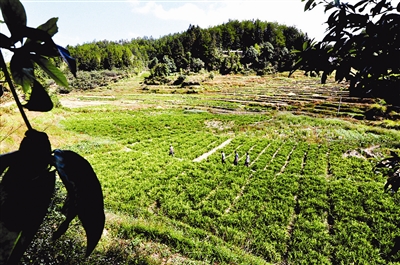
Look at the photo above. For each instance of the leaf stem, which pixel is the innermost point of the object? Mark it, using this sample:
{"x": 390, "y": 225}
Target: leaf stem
{"x": 12, "y": 88}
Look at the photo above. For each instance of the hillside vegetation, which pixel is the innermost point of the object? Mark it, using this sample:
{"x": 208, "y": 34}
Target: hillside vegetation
{"x": 309, "y": 196}
{"x": 231, "y": 47}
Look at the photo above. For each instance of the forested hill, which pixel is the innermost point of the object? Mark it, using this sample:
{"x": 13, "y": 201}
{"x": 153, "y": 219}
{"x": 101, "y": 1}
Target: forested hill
{"x": 230, "y": 47}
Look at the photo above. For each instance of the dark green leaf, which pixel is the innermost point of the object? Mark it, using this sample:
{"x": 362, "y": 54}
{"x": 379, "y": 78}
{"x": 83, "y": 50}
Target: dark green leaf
{"x": 7, "y": 159}
{"x": 34, "y": 197}
{"x": 71, "y": 62}
{"x": 85, "y": 197}
{"x": 328, "y": 7}
{"x": 305, "y": 45}
{"x": 308, "y": 5}
{"x": 22, "y": 70}
{"x": 51, "y": 70}
{"x": 25, "y": 194}
{"x": 50, "y": 26}
{"x": 41, "y": 48}
{"x": 360, "y": 3}
{"x": 37, "y": 35}
{"x": 296, "y": 66}
{"x": 36, "y": 146}
{"x": 377, "y": 9}
{"x": 14, "y": 16}
{"x": 5, "y": 42}
{"x": 342, "y": 72}
{"x": 39, "y": 99}
{"x": 328, "y": 38}
{"x": 351, "y": 7}
{"x": 332, "y": 20}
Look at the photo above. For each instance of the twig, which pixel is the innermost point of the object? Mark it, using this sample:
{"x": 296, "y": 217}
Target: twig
{"x": 12, "y": 88}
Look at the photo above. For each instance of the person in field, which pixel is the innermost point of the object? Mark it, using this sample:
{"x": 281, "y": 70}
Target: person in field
{"x": 171, "y": 151}
{"x": 247, "y": 161}
{"x": 236, "y": 160}
{"x": 223, "y": 157}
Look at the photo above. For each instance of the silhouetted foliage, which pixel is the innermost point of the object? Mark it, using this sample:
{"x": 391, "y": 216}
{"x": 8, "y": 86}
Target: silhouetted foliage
{"x": 362, "y": 46}
{"x": 28, "y": 174}
{"x": 390, "y": 168}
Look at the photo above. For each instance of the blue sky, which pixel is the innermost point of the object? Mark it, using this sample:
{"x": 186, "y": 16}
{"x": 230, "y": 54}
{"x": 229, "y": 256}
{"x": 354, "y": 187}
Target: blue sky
{"x": 85, "y": 21}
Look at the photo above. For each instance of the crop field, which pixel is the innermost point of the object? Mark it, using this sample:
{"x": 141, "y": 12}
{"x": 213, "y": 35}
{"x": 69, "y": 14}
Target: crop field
{"x": 310, "y": 194}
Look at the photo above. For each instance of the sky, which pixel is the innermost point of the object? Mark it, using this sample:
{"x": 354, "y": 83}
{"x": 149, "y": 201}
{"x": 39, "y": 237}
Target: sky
{"x": 83, "y": 21}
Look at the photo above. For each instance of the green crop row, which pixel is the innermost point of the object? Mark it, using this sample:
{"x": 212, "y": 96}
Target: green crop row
{"x": 300, "y": 201}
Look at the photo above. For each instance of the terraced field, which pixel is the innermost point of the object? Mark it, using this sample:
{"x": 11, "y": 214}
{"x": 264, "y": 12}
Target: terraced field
{"x": 309, "y": 195}
{"x": 303, "y": 96}
{"x": 237, "y": 93}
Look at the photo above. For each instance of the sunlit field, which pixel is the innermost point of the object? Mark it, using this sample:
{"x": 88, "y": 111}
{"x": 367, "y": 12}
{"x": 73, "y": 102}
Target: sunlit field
{"x": 310, "y": 194}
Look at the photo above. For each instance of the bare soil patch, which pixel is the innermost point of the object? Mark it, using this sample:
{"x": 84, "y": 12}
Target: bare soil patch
{"x": 76, "y": 103}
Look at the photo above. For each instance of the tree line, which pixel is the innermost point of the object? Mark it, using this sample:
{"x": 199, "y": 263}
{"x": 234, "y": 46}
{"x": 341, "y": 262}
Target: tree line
{"x": 231, "y": 47}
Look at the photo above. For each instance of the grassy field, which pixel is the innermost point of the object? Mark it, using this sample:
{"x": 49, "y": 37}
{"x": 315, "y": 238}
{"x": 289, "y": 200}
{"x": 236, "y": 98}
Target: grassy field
{"x": 309, "y": 195}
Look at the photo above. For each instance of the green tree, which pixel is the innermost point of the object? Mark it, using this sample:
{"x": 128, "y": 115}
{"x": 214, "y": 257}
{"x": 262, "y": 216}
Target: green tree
{"x": 231, "y": 64}
{"x": 160, "y": 69}
{"x": 178, "y": 54}
{"x": 169, "y": 62}
{"x": 228, "y": 36}
{"x": 153, "y": 62}
{"x": 284, "y": 59}
{"x": 88, "y": 56}
{"x": 248, "y": 34}
{"x": 127, "y": 58}
{"x": 267, "y": 51}
{"x": 113, "y": 58}
{"x": 196, "y": 65}
{"x": 251, "y": 56}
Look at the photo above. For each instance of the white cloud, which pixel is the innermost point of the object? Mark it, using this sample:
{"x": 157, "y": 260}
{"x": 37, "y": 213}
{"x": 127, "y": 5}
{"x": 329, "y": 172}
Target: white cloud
{"x": 203, "y": 11}
{"x": 210, "y": 13}
{"x": 185, "y": 12}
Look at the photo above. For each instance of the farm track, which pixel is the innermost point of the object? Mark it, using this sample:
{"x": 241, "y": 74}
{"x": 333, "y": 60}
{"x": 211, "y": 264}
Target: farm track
{"x": 258, "y": 156}
{"x": 287, "y": 161}
{"x": 239, "y": 195}
{"x": 272, "y": 158}
{"x": 212, "y": 151}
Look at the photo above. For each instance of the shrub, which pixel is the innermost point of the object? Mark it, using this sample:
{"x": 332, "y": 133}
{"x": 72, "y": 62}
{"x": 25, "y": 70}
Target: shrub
{"x": 179, "y": 80}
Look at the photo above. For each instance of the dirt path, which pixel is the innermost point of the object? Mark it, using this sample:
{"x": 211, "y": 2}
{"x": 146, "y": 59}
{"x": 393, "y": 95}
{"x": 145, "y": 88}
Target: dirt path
{"x": 205, "y": 155}
{"x": 71, "y": 103}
